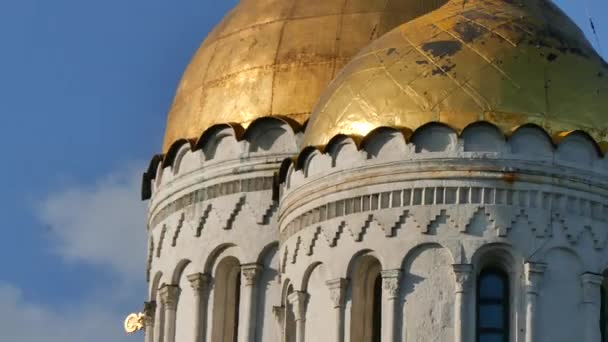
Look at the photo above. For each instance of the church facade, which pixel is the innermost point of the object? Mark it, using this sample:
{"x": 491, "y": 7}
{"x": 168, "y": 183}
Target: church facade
{"x": 383, "y": 171}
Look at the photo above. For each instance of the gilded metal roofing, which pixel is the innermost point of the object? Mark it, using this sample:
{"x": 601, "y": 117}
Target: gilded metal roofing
{"x": 507, "y": 62}
{"x": 274, "y": 57}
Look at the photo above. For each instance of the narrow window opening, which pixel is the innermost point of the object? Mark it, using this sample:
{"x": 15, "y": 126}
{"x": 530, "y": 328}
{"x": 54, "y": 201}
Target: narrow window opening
{"x": 366, "y": 294}
{"x": 604, "y": 311}
{"x": 377, "y": 309}
{"x": 493, "y": 306}
{"x": 237, "y": 305}
{"x": 227, "y": 291}
{"x": 290, "y": 319}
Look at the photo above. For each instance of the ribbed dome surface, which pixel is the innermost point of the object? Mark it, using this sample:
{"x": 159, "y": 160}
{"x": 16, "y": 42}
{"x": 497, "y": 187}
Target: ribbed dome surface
{"x": 509, "y": 63}
{"x": 274, "y": 57}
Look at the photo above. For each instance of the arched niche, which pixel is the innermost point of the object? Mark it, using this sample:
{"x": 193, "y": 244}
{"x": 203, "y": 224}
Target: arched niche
{"x": 318, "y": 310}
{"x": 184, "y": 316}
{"x": 427, "y": 295}
{"x": 366, "y": 300}
{"x": 501, "y": 258}
{"x": 226, "y": 300}
{"x": 159, "y": 315}
{"x": 268, "y": 295}
{"x": 560, "y": 311}
{"x": 289, "y": 321}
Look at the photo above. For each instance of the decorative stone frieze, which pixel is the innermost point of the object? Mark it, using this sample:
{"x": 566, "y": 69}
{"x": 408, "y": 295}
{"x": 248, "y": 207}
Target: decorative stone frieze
{"x": 159, "y": 248}
{"x": 212, "y": 192}
{"x": 459, "y": 209}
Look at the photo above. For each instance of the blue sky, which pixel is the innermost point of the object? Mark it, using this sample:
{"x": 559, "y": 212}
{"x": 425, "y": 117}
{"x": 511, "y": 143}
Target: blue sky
{"x": 84, "y": 90}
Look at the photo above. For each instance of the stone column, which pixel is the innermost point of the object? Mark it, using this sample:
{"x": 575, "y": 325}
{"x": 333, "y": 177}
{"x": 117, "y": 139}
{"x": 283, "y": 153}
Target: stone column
{"x": 249, "y": 274}
{"x": 149, "y": 313}
{"x": 279, "y": 316}
{"x": 592, "y": 287}
{"x": 299, "y": 300}
{"x": 534, "y": 273}
{"x": 200, "y": 284}
{"x": 169, "y": 295}
{"x": 391, "y": 280}
{"x": 337, "y": 289}
{"x": 462, "y": 273}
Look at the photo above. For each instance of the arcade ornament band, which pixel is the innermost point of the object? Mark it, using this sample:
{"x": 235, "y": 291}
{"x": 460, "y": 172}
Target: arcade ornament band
{"x": 134, "y": 323}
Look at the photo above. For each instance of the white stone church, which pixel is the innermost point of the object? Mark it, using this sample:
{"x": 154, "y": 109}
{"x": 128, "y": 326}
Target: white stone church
{"x": 383, "y": 171}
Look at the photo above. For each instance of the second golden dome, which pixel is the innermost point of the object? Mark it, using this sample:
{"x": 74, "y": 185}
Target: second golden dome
{"x": 509, "y": 63}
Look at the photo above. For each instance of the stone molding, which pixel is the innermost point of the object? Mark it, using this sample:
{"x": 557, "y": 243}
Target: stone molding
{"x": 531, "y": 205}
{"x": 169, "y": 296}
{"x": 212, "y": 192}
{"x": 391, "y": 280}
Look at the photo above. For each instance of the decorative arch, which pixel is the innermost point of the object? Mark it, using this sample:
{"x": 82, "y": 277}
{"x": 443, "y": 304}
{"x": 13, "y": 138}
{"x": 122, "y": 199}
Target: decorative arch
{"x": 498, "y": 263}
{"x": 222, "y": 250}
{"x": 179, "y": 269}
{"x": 307, "y": 274}
{"x": 366, "y": 297}
{"x": 226, "y": 300}
{"x": 427, "y": 294}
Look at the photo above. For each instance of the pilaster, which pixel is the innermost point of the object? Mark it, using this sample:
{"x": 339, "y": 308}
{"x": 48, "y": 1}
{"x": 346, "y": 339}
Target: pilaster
{"x": 462, "y": 275}
{"x": 337, "y": 291}
{"x": 391, "y": 281}
{"x": 201, "y": 285}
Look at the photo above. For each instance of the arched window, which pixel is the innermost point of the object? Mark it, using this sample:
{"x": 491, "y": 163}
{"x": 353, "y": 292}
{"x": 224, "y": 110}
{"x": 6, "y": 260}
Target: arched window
{"x": 226, "y": 301}
{"x": 493, "y": 306}
{"x": 366, "y": 314}
{"x": 290, "y": 319}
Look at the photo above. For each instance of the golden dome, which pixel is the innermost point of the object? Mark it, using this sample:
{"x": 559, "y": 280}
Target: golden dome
{"x": 274, "y": 57}
{"x": 509, "y": 63}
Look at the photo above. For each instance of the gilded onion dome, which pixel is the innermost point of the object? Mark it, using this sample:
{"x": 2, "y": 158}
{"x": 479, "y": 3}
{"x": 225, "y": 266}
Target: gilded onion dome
{"x": 274, "y": 57}
{"x": 508, "y": 63}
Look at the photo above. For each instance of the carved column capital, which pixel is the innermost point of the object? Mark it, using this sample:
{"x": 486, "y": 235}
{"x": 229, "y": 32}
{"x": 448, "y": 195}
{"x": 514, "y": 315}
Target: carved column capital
{"x": 199, "y": 282}
{"x": 298, "y": 300}
{"x": 251, "y": 273}
{"x": 337, "y": 289}
{"x": 149, "y": 312}
{"x": 169, "y": 295}
{"x": 534, "y": 273}
{"x": 279, "y": 314}
{"x": 462, "y": 273}
{"x": 591, "y": 287}
{"x": 391, "y": 280}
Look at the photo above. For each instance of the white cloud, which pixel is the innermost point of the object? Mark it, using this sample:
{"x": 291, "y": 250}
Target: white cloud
{"x": 102, "y": 224}
{"x": 21, "y": 321}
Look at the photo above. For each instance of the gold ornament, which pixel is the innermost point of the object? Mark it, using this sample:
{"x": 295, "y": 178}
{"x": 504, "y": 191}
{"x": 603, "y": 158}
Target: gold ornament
{"x": 134, "y": 323}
